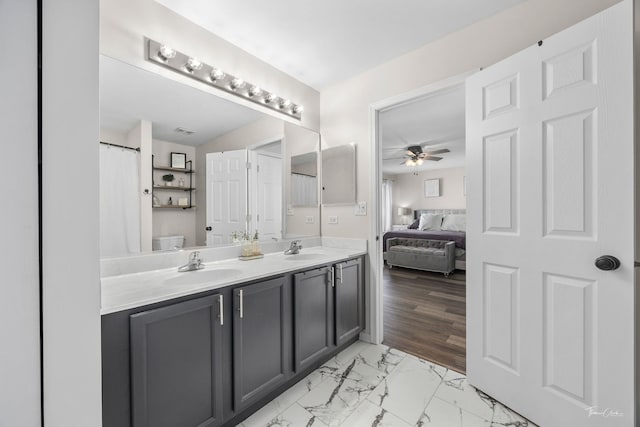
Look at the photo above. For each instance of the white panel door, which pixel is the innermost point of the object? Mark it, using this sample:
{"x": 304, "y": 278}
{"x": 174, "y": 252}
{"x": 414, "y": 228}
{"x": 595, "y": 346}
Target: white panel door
{"x": 226, "y": 195}
{"x": 550, "y": 189}
{"x": 265, "y": 194}
{"x": 269, "y": 213}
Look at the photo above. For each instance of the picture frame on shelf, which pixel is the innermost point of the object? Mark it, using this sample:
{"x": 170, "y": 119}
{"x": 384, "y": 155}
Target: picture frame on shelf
{"x": 178, "y": 160}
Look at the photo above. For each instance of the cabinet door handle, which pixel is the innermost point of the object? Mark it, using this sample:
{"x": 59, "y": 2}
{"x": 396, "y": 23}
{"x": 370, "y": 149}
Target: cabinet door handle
{"x": 241, "y": 308}
{"x": 331, "y": 277}
{"x": 221, "y": 309}
{"x": 340, "y": 270}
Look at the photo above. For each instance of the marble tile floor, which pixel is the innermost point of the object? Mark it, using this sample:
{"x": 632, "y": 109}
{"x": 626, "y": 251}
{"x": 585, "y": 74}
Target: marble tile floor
{"x": 375, "y": 386}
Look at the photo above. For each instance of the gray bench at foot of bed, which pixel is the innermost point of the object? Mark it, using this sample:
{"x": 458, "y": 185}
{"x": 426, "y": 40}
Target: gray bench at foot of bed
{"x": 421, "y": 254}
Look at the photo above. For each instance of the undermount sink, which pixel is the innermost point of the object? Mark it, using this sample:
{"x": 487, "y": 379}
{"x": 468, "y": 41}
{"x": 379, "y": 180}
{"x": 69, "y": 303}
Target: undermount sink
{"x": 304, "y": 257}
{"x": 202, "y": 276}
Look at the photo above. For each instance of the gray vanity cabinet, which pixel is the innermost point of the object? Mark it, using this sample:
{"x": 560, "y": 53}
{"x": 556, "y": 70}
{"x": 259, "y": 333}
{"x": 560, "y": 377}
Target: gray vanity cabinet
{"x": 176, "y": 365}
{"x": 349, "y": 300}
{"x": 261, "y": 339}
{"x": 312, "y": 316}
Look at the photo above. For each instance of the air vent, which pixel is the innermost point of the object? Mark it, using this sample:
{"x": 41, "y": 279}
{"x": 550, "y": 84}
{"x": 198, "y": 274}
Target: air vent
{"x": 184, "y": 131}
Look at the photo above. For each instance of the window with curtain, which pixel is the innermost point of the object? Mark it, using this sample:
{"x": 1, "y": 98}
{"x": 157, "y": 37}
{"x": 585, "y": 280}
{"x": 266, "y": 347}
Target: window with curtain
{"x": 387, "y": 204}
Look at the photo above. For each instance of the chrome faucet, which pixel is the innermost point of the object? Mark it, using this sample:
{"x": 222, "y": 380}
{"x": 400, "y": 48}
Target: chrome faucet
{"x": 294, "y": 248}
{"x": 195, "y": 263}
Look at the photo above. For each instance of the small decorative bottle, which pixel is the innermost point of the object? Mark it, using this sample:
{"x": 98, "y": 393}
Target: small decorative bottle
{"x": 170, "y": 201}
{"x": 255, "y": 246}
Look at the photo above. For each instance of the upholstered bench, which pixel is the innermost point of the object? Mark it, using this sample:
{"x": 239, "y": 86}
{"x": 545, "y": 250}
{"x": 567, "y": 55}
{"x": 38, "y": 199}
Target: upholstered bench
{"x": 421, "y": 254}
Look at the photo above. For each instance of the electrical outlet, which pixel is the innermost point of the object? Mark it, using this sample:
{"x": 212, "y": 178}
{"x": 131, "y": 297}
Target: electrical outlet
{"x": 333, "y": 219}
{"x": 289, "y": 210}
{"x": 360, "y": 209}
{"x": 308, "y": 219}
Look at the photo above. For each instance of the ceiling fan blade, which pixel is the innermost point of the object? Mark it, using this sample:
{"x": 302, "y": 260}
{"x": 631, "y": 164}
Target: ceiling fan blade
{"x": 434, "y": 158}
{"x": 394, "y": 158}
{"x": 410, "y": 153}
{"x": 443, "y": 150}
{"x": 422, "y": 155}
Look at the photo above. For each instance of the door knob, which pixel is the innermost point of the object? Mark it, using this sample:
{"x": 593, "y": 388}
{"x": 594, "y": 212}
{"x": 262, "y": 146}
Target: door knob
{"x": 607, "y": 263}
{"x": 208, "y": 228}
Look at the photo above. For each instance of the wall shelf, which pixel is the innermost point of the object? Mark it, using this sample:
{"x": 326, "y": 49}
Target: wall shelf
{"x": 168, "y": 169}
{"x": 188, "y": 189}
{"x": 173, "y": 207}
{"x": 173, "y": 188}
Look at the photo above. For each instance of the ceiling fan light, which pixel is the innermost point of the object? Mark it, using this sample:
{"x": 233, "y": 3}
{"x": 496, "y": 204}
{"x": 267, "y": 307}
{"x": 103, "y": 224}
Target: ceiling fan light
{"x": 410, "y": 162}
{"x": 419, "y": 162}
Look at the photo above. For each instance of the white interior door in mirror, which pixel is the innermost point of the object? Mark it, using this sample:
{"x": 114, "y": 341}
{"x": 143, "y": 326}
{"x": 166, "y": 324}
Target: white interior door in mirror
{"x": 551, "y": 172}
{"x": 227, "y": 206}
{"x": 265, "y": 193}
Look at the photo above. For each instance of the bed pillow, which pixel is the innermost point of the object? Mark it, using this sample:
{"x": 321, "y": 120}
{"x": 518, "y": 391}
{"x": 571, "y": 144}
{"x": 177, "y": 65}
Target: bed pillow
{"x": 456, "y": 222}
{"x": 431, "y": 222}
{"x": 414, "y": 225}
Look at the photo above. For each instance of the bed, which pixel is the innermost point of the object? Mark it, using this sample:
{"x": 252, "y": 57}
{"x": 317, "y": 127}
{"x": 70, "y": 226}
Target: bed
{"x": 459, "y": 237}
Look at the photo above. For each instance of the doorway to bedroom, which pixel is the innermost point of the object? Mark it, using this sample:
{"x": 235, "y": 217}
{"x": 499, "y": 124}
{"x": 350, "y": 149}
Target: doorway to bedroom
{"x": 423, "y": 221}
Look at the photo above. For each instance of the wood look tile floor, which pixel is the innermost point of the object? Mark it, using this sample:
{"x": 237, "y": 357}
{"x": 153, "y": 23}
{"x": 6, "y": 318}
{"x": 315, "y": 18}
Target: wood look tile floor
{"x": 425, "y": 315}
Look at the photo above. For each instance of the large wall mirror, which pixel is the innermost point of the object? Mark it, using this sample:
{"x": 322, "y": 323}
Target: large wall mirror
{"x": 181, "y": 167}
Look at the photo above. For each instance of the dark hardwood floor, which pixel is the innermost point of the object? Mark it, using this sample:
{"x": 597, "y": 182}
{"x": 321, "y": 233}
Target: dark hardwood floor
{"x": 425, "y": 315}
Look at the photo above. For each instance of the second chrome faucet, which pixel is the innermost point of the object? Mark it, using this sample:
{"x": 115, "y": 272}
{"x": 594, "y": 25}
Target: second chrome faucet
{"x": 195, "y": 263}
{"x": 294, "y": 248}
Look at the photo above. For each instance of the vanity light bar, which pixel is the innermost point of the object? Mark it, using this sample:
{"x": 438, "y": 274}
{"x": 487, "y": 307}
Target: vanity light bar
{"x": 187, "y": 65}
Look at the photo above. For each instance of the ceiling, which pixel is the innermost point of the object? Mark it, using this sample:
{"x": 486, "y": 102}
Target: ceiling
{"x": 323, "y": 42}
{"x": 129, "y": 94}
{"x": 434, "y": 121}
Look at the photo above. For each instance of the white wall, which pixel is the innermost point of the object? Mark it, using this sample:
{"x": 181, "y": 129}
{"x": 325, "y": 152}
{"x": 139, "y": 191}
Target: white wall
{"x": 70, "y": 221}
{"x": 408, "y": 191}
{"x": 345, "y": 106}
{"x": 125, "y": 23}
{"x": 178, "y": 221}
{"x": 19, "y": 292}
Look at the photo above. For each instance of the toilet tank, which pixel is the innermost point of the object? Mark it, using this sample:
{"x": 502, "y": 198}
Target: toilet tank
{"x": 163, "y": 243}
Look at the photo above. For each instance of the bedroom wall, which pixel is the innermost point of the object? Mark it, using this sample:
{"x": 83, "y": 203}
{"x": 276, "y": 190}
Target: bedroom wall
{"x": 408, "y": 191}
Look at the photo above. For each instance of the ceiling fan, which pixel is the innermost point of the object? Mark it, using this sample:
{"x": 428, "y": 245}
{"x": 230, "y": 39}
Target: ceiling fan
{"x": 415, "y": 155}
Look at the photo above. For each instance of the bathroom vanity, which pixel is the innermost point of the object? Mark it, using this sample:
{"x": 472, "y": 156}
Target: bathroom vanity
{"x": 210, "y": 347}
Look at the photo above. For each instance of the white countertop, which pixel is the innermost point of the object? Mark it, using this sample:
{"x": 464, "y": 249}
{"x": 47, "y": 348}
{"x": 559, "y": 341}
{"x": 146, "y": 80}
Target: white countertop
{"x": 128, "y": 291}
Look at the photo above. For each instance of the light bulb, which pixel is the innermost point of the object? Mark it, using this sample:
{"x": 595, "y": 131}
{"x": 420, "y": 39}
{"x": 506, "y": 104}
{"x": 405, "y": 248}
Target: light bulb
{"x": 410, "y": 162}
{"x": 193, "y": 65}
{"x": 237, "y": 83}
{"x": 216, "y": 74}
{"x": 166, "y": 53}
{"x": 255, "y": 91}
{"x": 284, "y": 104}
{"x": 297, "y": 109}
{"x": 419, "y": 162}
{"x": 269, "y": 98}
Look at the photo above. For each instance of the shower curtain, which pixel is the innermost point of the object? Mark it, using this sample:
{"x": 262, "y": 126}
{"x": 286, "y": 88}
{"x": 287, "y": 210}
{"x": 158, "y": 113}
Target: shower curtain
{"x": 119, "y": 201}
{"x": 304, "y": 190}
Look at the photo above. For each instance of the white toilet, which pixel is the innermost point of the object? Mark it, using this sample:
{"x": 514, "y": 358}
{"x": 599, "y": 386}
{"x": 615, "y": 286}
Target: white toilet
{"x": 163, "y": 243}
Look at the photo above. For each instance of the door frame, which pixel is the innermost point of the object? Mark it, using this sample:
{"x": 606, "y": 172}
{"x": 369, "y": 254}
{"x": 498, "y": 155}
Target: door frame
{"x": 374, "y": 314}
